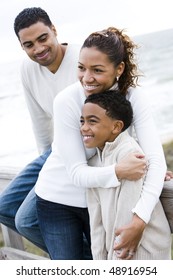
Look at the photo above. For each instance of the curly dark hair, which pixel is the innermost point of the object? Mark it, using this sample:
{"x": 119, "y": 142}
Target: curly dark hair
{"x": 118, "y": 47}
{"x": 30, "y": 16}
{"x": 116, "y": 105}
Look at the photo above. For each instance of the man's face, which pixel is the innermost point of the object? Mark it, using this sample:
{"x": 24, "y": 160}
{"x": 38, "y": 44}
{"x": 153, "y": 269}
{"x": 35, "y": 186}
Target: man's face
{"x": 40, "y": 43}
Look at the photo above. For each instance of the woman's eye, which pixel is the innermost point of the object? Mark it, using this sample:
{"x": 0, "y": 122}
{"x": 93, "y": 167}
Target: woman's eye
{"x": 98, "y": 70}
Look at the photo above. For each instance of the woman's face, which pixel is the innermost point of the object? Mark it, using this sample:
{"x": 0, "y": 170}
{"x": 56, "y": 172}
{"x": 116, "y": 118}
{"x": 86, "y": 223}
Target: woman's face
{"x": 95, "y": 71}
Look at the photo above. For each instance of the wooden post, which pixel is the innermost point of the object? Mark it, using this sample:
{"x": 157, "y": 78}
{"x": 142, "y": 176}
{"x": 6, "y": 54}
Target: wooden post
{"x": 13, "y": 248}
{"x": 167, "y": 201}
{"x": 10, "y": 237}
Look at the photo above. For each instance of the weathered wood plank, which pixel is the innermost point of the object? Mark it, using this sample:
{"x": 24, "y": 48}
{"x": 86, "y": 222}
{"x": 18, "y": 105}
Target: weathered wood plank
{"x": 167, "y": 201}
{"x": 14, "y": 245}
{"x": 6, "y": 175}
{"x": 11, "y": 238}
{"x": 7, "y": 253}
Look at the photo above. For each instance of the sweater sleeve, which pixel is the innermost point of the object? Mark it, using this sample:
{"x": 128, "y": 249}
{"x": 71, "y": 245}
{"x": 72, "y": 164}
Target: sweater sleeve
{"x": 151, "y": 145}
{"x": 41, "y": 123}
{"x": 69, "y": 145}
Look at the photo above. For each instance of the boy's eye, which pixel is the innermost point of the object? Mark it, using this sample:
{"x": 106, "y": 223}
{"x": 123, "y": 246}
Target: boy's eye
{"x": 92, "y": 121}
{"x": 80, "y": 67}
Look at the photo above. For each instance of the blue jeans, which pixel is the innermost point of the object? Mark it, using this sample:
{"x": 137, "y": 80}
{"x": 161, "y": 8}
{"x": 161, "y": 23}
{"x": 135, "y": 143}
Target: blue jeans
{"x": 63, "y": 228}
{"x": 18, "y": 203}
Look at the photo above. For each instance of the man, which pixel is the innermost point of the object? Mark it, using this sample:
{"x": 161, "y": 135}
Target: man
{"x": 51, "y": 68}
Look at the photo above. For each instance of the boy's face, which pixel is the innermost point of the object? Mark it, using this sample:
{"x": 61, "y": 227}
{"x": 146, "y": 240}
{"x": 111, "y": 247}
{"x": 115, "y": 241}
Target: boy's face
{"x": 96, "y": 127}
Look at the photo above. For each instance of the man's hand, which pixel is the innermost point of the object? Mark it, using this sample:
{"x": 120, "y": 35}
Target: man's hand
{"x": 169, "y": 175}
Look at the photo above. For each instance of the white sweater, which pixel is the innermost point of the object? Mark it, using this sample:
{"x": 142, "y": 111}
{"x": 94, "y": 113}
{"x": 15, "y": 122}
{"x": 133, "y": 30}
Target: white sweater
{"x": 40, "y": 88}
{"x": 65, "y": 175}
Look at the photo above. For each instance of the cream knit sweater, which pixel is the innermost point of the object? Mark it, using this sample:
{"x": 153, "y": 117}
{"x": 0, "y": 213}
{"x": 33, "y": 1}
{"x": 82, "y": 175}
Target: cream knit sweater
{"x": 111, "y": 208}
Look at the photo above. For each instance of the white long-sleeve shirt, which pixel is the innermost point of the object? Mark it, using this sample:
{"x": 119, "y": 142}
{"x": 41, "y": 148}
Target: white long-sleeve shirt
{"x": 40, "y": 88}
{"x": 65, "y": 175}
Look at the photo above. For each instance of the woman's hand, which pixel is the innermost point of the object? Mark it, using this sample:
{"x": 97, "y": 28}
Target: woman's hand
{"x": 169, "y": 175}
{"x": 132, "y": 167}
{"x": 129, "y": 238}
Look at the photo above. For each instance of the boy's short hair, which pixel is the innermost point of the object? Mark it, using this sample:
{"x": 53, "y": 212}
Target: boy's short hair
{"x": 116, "y": 105}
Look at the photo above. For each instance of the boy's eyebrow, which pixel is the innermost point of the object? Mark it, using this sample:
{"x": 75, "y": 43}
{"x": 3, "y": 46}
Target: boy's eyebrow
{"x": 91, "y": 116}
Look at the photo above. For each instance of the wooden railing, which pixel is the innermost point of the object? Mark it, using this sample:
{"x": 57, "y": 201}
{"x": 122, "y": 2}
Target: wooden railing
{"x": 13, "y": 242}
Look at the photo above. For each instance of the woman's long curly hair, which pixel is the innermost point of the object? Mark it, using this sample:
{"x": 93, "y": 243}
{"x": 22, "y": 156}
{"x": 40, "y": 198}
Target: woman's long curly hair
{"x": 118, "y": 47}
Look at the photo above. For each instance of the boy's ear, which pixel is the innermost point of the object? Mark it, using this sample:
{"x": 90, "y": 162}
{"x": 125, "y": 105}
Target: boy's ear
{"x": 118, "y": 126}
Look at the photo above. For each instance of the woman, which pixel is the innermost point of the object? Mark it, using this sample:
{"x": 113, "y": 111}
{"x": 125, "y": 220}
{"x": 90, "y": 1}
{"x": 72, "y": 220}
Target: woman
{"x": 106, "y": 61}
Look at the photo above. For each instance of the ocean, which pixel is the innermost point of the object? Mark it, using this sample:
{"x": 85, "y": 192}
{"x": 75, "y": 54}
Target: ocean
{"x": 155, "y": 59}
{"x": 156, "y": 62}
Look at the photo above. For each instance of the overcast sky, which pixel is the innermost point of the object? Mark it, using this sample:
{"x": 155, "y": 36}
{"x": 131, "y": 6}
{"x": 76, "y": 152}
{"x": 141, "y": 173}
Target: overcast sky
{"x": 76, "y": 19}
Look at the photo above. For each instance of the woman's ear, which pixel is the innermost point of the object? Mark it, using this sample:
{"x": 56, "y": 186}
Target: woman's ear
{"x": 118, "y": 126}
{"x": 120, "y": 68}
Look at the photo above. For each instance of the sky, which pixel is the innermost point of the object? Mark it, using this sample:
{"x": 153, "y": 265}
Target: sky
{"x": 76, "y": 19}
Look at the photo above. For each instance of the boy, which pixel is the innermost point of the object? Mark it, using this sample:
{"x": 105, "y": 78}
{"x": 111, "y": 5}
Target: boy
{"x": 104, "y": 122}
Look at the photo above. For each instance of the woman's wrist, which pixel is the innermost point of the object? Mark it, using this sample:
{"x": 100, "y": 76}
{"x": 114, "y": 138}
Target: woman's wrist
{"x": 138, "y": 222}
